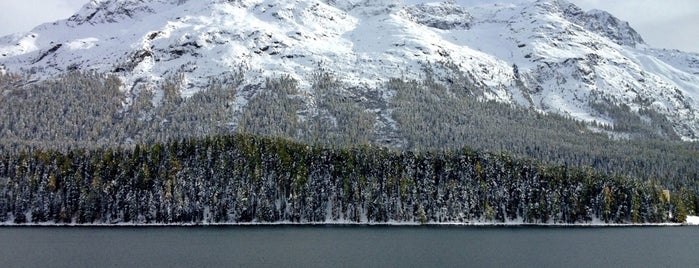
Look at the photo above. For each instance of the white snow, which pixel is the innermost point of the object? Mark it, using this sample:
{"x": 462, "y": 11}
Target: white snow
{"x": 85, "y": 43}
{"x": 561, "y": 62}
{"x": 693, "y": 220}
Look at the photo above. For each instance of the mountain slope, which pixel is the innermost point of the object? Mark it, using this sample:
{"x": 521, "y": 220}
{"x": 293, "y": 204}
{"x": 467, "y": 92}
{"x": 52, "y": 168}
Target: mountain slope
{"x": 547, "y": 55}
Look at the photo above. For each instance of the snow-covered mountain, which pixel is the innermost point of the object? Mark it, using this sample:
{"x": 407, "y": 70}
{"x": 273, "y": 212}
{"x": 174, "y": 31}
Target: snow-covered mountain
{"x": 548, "y": 55}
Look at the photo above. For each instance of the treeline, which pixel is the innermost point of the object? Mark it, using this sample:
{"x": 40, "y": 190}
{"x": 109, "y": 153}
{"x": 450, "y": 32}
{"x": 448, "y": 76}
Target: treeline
{"x": 87, "y": 110}
{"x": 246, "y": 178}
{"x": 432, "y": 115}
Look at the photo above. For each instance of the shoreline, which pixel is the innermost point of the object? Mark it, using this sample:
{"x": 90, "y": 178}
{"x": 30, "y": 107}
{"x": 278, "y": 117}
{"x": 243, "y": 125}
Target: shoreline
{"x": 352, "y": 224}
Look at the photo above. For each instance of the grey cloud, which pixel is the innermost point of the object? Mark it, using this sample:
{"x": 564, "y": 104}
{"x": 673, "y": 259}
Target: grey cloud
{"x": 21, "y": 16}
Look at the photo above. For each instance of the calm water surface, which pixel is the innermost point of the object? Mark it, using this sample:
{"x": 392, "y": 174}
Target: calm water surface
{"x": 352, "y": 246}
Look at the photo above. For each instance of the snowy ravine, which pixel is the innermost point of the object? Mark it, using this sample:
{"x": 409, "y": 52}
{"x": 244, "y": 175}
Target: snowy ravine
{"x": 548, "y": 55}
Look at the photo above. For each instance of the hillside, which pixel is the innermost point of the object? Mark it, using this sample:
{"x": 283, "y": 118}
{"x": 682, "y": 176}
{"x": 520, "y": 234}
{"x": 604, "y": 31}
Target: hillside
{"x": 245, "y": 179}
{"x": 547, "y": 56}
{"x": 373, "y": 111}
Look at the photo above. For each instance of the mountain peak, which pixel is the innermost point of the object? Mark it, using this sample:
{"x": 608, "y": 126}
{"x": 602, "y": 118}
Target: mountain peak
{"x": 603, "y": 23}
{"x": 597, "y": 21}
{"x": 109, "y": 11}
{"x": 548, "y": 55}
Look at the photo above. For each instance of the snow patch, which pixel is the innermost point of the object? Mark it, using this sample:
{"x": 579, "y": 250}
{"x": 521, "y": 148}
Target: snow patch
{"x": 85, "y": 43}
{"x": 547, "y": 55}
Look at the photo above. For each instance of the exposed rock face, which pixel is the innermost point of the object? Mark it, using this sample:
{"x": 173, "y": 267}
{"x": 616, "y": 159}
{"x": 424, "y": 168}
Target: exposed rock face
{"x": 603, "y": 23}
{"x": 444, "y": 16}
{"x": 548, "y": 55}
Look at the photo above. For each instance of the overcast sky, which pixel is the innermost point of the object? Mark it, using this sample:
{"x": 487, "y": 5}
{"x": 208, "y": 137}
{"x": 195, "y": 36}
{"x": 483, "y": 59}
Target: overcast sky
{"x": 662, "y": 23}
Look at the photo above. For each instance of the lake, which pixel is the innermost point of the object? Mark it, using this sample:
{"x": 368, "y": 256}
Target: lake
{"x": 348, "y": 246}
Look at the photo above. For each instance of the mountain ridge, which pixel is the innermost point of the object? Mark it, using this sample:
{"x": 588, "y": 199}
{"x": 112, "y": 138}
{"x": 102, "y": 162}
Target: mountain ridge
{"x": 547, "y": 55}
